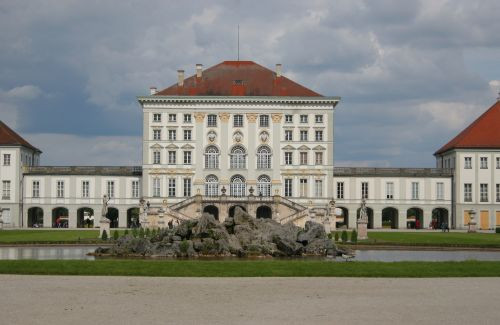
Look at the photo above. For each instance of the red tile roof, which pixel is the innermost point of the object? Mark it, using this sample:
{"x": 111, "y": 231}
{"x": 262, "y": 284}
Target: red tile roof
{"x": 483, "y": 133}
{"x": 9, "y": 137}
{"x": 238, "y": 78}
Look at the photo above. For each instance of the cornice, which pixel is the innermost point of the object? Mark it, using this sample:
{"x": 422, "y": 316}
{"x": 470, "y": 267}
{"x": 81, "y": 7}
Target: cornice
{"x": 331, "y": 100}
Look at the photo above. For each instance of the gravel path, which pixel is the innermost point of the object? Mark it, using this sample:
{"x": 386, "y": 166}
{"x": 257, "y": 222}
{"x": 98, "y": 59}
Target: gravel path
{"x": 142, "y": 300}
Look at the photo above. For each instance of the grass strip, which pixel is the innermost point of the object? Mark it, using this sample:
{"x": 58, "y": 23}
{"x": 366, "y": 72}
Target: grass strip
{"x": 261, "y": 268}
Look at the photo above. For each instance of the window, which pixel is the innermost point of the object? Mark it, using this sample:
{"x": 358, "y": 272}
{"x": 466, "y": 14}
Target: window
{"x": 187, "y": 118}
{"x": 483, "y": 192}
{"x": 187, "y": 187}
{"x": 318, "y": 158}
{"x": 498, "y": 193}
{"x": 468, "y": 163}
{"x": 211, "y": 186}
{"x": 303, "y": 187}
{"x": 498, "y": 162}
{"x": 171, "y": 187}
{"x": 414, "y": 191}
{"x": 60, "y": 189}
{"x": 439, "y": 191}
{"x": 156, "y": 157}
{"x": 264, "y": 186}
{"x": 238, "y": 158}
{"x": 484, "y": 162}
{"x": 340, "y": 190}
{"x": 364, "y": 190}
{"x": 263, "y": 157}
{"x": 319, "y": 135}
{"x": 211, "y": 157}
{"x": 303, "y": 158}
{"x": 303, "y": 118}
{"x": 237, "y": 186}
{"x": 288, "y": 158}
{"x": 318, "y": 188}
{"x": 389, "y": 190}
{"x": 212, "y": 120}
{"x": 187, "y": 134}
{"x": 172, "y": 135}
{"x": 135, "y": 189}
{"x": 36, "y": 189}
{"x": 303, "y": 135}
{"x": 156, "y": 134}
{"x": 187, "y": 157}
{"x": 172, "y": 157}
{"x": 156, "y": 187}
{"x": 288, "y": 118}
{"x": 238, "y": 121}
{"x": 85, "y": 189}
{"x": 111, "y": 189}
{"x": 288, "y": 135}
{"x": 318, "y": 118}
{"x": 264, "y": 121}
{"x": 6, "y": 190}
{"x": 288, "y": 187}
{"x": 156, "y": 117}
{"x": 467, "y": 192}
{"x": 172, "y": 117}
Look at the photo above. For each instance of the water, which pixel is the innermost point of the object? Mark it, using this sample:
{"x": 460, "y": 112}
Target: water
{"x": 80, "y": 253}
{"x": 47, "y": 253}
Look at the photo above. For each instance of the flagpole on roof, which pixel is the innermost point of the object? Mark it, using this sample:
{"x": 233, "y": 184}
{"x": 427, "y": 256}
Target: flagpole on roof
{"x": 238, "y": 42}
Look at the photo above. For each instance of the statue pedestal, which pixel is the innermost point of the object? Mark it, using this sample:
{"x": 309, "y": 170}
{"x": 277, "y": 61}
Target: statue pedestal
{"x": 104, "y": 225}
{"x": 362, "y": 229}
{"x": 472, "y": 226}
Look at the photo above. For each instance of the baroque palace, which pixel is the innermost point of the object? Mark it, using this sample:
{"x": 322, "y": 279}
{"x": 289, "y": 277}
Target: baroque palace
{"x": 239, "y": 134}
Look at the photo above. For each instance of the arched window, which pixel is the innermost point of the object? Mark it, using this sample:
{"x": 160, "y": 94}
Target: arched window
{"x": 264, "y": 158}
{"x": 212, "y": 157}
{"x": 238, "y": 186}
{"x": 264, "y": 186}
{"x": 211, "y": 185}
{"x": 238, "y": 158}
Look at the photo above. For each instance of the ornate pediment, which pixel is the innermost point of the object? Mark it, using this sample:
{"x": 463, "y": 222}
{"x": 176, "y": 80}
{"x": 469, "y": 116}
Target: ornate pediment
{"x": 187, "y": 146}
{"x": 318, "y": 147}
{"x": 156, "y": 146}
{"x": 172, "y": 146}
{"x": 288, "y": 147}
{"x": 303, "y": 147}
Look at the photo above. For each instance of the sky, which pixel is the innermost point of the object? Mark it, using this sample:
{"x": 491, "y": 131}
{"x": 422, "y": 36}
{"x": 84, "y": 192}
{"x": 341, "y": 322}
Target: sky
{"x": 411, "y": 74}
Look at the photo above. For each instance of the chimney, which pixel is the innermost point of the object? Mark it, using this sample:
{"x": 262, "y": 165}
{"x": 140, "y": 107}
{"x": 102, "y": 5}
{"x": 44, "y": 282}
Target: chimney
{"x": 180, "y": 78}
{"x": 152, "y": 90}
{"x": 278, "y": 70}
{"x": 199, "y": 70}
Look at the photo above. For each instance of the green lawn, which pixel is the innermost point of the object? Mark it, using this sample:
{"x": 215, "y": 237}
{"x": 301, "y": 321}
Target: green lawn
{"x": 47, "y": 236}
{"x": 433, "y": 239}
{"x": 260, "y": 268}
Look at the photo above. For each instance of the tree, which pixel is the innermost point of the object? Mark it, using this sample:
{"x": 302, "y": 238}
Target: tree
{"x": 344, "y": 236}
{"x": 134, "y": 232}
{"x": 116, "y": 235}
{"x": 141, "y": 233}
{"x": 104, "y": 235}
{"x": 336, "y": 236}
{"x": 125, "y": 233}
{"x": 354, "y": 236}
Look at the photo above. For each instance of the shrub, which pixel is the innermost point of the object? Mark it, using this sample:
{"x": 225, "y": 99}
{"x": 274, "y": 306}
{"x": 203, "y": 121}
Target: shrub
{"x": 497, "y": 230}
{"x": 116, "y": 235}
{"x": 141, "y": 232}
{"x": 183, "y": 246}
{"x": 148, "y": 232}
{"x": 125, "y": 233}
{"x": 104, "y": 235}
{"x": 336, "y": 236}
{"x": 134, "y": 232}
{"x": 344, "y": 236}
{"x": 354, "y": 236}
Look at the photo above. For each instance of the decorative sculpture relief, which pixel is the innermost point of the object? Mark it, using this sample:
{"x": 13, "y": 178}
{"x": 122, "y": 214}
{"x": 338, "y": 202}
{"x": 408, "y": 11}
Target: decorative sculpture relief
{"x": 224, "y": 117}
{"x": 238, "y": 137}
{"x": 276, "y": 117}
{"x": 252, "y": 117}
{"x": 199, "y": 117}
{"x": 212, "y": 136}
{"x": 264, "y": 136}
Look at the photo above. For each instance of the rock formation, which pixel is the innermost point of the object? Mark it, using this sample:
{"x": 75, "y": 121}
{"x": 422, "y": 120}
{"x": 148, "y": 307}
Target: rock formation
{"x": 240, "y": 236}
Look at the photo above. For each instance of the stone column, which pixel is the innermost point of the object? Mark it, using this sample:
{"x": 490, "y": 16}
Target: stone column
{"x": 276, "y": 157}
{"x": 72, "y": 217}
{"x": 402, "y": 219}
{"x": 352, "y": 218}
{"x": 198, "y": 159}
{"x": 252, "y": 146}
{"x": 47, "y": 217}
{"x": 377, "y": 218}
{"x": 224, "y": 142}
{"x": 427, "y": 217}
{"x": 122, "y": 218}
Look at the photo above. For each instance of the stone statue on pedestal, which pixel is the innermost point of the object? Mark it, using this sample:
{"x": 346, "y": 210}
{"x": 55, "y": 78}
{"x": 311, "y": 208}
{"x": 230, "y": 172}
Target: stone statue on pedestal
{"x": 104, "y": 223}
{"x": 362, "y": 221}
{"x": 1, "y": 220}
